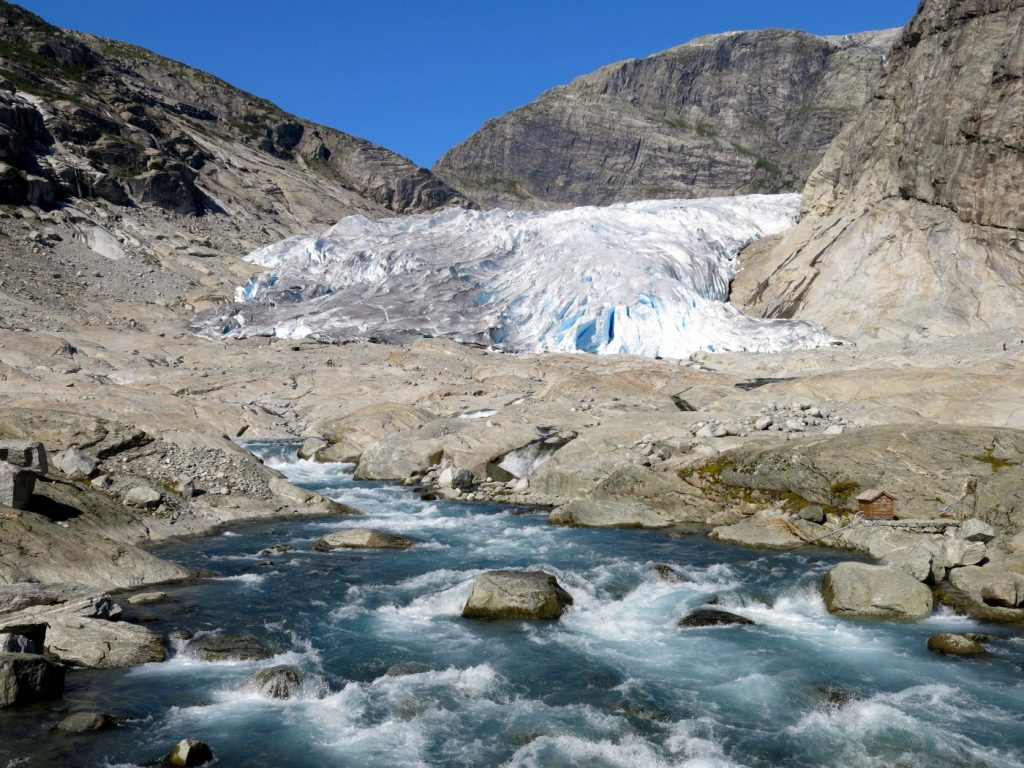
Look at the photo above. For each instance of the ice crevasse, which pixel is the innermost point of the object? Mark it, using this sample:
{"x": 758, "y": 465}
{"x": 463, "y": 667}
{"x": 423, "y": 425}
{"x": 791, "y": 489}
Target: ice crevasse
{"x": 647, "y": 278}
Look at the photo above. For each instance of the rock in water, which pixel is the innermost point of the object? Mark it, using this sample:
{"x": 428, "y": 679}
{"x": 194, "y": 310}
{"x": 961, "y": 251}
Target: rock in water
{"x": 281, "y": 682}
{"x": 362, "y": 538}
{"x": 189, "y": 753}
{"x": 712, "y": 617}
{"x": 225, "y": 647}
{"x": 516, "y": 595}
{"x": 101, "y": 644}
{"x": 884, "y": 591}
{"x": 26, "y": 678}
{"x": 955, "y": 645}
{"x": 85, "y": 722}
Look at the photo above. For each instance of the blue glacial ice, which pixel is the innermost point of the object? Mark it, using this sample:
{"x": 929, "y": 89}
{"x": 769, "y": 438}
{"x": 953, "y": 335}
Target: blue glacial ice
{"x": 648, "y": 278}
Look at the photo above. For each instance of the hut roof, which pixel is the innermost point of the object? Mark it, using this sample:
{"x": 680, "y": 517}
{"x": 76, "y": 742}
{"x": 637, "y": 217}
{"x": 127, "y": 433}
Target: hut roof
{"x": 874, "y": 494}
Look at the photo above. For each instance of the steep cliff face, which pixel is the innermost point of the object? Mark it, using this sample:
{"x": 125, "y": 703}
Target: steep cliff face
{"x": 914, "y": 221}
{"x": 84, "y": 118}
{"x": 728, "y": 114}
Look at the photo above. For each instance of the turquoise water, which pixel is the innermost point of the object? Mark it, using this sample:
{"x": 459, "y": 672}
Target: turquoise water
{"x": 614, "y": 683}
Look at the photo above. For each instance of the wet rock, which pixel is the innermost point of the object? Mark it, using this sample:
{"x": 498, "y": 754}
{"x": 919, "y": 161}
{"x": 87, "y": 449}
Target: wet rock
{"x": 101, "y": 644}
{"x": 276, "y": 549}
{"x": 667, "y": 573}
{"x": 281, "y": 682}
{"x": 712, "y": 617}
{"x": 884, "y": 591}
{"x": 224, "y": 647}
{"x": 188, "y": 753}
{"x": 26, "y": 678}
{"x": 407, "y": 668}
{"x": 143, "y": 496}
{"x": 955, "y": 645}
{"x": 362, "y": 538}
{"x": 85, "y": 722}
{"x": 75, "y": 465}
{"x": 509, "y": 594}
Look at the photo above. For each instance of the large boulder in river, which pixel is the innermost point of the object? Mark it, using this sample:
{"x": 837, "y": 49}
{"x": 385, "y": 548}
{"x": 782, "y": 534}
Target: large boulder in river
{"x": 26, "y": 678}
{"x": 281, "y": 682}
{"x": 883, "y": 591}
{"x": 712, "y": 617}
{"x": 100, "y": 644}
{"x": 362, "y": 538}
{"x": 225, "y": 647}
{"x": 189, "y": 753}
{"x": 516, "y": 595}
{"x": 955, "y": 645}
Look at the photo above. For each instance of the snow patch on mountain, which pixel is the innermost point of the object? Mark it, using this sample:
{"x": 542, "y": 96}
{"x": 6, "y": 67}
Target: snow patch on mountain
{"x": 648, "y": 278}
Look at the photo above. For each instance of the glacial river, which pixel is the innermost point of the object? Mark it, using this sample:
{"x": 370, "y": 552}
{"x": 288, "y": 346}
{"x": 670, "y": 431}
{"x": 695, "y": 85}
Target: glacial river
{"x": 398, "y": 678}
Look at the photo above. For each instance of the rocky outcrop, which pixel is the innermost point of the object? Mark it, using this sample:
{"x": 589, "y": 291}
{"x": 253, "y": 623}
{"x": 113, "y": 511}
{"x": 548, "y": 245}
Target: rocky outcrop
{"x": 727, "y": 114}
{"x": 881, "y": 591}
{"x": 926, "y": 468}
{"x": 516, "y": 595}
{"x": 118, "y": 123}
{"x": 348, "y": 436}
{"x": 913, "y": 220}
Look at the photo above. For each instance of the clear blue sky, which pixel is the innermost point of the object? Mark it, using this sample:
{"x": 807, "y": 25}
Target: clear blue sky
{"x": 419, "y": 76}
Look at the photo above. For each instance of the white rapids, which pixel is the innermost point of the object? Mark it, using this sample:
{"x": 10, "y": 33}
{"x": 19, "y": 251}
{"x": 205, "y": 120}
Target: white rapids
{"x": 648, "y": 278}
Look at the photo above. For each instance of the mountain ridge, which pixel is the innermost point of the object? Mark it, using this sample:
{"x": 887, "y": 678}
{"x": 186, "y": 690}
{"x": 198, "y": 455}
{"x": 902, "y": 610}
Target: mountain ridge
{"x": 706, "y": 118}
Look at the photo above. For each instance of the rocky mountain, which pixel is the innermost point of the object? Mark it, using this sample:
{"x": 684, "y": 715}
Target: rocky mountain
{"x": 89, "y": 120}
{"x": 914, "y": 221}
{"x": 728, "y": 114}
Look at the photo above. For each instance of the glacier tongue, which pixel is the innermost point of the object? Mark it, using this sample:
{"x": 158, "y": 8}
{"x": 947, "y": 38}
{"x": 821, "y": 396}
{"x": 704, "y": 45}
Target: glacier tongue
{"x": 648, "y": 278}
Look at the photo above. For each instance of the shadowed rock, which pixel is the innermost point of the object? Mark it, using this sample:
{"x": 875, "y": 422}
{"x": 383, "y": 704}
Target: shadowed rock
{"x": 26, "y": 678}
{"x": 712, "y": 617}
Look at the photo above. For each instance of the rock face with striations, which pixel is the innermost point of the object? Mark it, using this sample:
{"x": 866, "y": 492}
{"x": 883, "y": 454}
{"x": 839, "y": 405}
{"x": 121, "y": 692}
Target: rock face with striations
{"x": 728, "y": 114}
{"x": 913, "y": 221}
{"x": 82, "y": 117}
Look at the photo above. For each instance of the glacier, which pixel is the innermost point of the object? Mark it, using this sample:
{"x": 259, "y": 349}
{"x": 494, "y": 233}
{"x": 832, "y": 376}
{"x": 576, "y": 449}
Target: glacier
{"x": 647, "y": 278}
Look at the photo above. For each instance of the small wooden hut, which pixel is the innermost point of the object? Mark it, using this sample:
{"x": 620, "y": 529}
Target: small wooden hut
{"x": 876, "y": 504}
